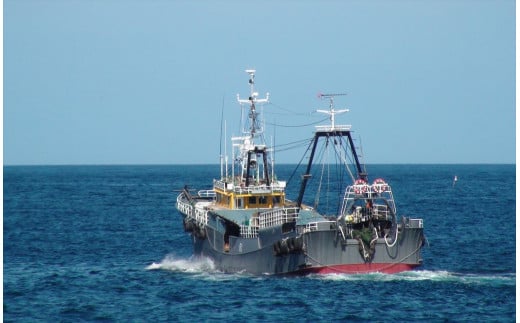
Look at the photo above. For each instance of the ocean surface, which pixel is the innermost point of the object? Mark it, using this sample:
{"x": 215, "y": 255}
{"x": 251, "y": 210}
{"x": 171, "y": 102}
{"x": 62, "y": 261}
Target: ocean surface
{"x": 105, "y": 243}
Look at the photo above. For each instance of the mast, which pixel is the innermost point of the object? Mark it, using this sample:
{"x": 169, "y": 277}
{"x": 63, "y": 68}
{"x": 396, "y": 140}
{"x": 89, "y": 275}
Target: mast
{"x": 255, "y": 123}
{"x": 252, "y": 130}
{"x": 327, "y": 131}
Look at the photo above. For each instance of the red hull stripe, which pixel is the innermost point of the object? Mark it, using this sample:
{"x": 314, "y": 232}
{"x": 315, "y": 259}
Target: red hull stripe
{"x": 360, "y": 268}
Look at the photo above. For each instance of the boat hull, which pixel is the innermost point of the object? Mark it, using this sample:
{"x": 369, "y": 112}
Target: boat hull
{"x": 328, "y": 254}
{"x": 322, "y": 252}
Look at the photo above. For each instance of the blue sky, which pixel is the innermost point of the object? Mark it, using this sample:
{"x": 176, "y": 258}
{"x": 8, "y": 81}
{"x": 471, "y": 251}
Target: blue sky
{"x": 143, "y": 82}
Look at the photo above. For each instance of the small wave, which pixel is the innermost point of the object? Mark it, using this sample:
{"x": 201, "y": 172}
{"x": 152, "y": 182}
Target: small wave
{"x": 428, "y": 275}
{"x": 494, "y": 280}
{"x": 190, "y": 265}
{"x": 468, "y": 278}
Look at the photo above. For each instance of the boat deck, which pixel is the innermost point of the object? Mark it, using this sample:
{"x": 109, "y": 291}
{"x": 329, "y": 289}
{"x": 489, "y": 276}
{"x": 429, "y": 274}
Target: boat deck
{"x": 244, "y": 216}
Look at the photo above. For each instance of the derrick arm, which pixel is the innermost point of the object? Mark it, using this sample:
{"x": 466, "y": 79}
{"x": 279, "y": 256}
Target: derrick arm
{"x": 314, "y": 143}
{"x": 307, "y": 174}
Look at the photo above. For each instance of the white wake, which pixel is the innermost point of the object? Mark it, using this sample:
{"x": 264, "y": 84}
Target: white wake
{"x": 429, "y": 275}
{"x": 190, "y": 265}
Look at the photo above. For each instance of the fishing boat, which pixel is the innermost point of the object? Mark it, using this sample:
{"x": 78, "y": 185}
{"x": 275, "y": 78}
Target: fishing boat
{"x": 245, "y": 223}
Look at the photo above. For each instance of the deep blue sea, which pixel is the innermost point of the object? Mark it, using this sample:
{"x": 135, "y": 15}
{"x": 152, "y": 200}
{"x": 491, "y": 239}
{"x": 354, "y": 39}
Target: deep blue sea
{"x": 105, "y": 243}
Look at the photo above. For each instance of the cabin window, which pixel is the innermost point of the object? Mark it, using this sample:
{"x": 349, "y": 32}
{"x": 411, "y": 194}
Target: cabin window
{"x": 238, "y": 203}
{"x": 252, "y": 200}
{"x": 222, "y": 199}
{"x": 276, "y": 199}
{"x": 262, "y": 200}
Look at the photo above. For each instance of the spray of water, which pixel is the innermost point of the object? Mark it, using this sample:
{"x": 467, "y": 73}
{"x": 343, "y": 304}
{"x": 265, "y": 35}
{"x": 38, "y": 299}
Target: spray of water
{"x": 190, "y": 265}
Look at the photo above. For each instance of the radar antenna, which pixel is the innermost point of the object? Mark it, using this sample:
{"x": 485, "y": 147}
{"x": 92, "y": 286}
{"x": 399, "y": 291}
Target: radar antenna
{"x": 332, "y": 113}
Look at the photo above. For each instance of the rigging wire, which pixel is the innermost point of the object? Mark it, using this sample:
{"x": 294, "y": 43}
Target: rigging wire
{"x": 297, "y": 126}
{"x": 318, "y": 191}
{"x": 343, "y": 157}
{"x": 335, "y": 177}
{"x": 336, "y": 191}
{"x": 300, "y": 162}
{"x": 341, "y": 171}
{"x": 295, "y": 142}
{"x": 291, "y": 146}
{"x": 290, "y": 112}
{"x": 344, "y": 160}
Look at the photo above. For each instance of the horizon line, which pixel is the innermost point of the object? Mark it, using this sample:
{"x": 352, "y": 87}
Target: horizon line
{"x": 217, "y": 164}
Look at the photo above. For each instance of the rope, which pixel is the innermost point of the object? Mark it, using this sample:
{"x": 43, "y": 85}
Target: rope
{"x": 289, "y": 112}
{"x": 342, "y": 158}
{"x": 318, "y": 191}
{"x": 394, "y": 226}
{"x": 395, "y": 240}
{"x": 300, "y": 162}
{"x": 296, "y": 126}
{"x": 291, "y": 145}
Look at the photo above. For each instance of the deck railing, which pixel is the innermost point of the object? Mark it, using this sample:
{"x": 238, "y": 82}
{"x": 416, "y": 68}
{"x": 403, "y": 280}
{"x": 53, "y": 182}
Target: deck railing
{"x": 248, "y": 232}
{"x": 251, "y": 189}
{"x": 277, "y": 217}
{"x": 207, "y": 193}
{"x": 184, "y": 207}
{"x": 381, "y": 211}
{"x": 268, "y": 219}
{"x": 315, "y": 226}
{"x": 199, "y": 213}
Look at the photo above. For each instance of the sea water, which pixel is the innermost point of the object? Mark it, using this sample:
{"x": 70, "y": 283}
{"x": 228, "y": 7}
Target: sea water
{"x": 105, "y": 243}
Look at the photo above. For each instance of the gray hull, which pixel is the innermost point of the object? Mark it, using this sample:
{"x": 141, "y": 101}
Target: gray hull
{"x": 321, "y": 251}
